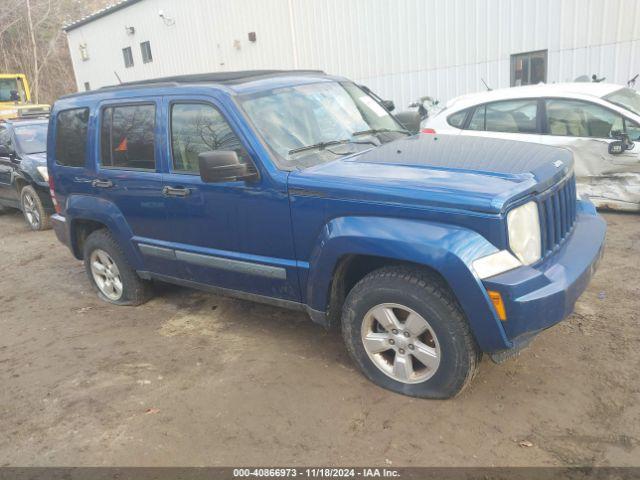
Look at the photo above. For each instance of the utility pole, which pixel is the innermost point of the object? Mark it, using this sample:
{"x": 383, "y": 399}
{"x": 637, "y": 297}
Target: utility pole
{"x": 34, "y": 50}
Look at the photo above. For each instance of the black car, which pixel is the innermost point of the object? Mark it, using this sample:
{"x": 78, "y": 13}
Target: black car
{"x": 23, "y": 170}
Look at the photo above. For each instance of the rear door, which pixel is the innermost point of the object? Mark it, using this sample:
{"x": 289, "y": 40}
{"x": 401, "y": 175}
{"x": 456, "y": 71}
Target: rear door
{"x": 234, "y": 234}
{"x": 128, "y": 172}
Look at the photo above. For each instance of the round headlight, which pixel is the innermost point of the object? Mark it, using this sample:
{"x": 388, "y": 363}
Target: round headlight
{"x": 523, "y": 225}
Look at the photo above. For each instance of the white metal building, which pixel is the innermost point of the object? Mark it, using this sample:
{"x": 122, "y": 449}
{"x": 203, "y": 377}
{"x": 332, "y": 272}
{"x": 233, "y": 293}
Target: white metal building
{"x": 402, "y": 49}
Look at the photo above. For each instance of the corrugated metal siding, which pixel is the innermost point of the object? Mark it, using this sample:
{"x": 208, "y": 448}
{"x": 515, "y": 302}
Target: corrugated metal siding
{"x": 402, "y": 49}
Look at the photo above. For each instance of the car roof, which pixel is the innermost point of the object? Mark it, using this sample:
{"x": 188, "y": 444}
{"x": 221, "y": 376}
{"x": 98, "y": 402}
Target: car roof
{"x": 233, "y": 82}
{"x": 18, "y": 122}
{"x": 569, "y": 89}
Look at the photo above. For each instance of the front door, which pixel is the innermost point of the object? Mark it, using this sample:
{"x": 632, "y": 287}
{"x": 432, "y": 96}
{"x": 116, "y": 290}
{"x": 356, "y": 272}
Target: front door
{"x": 8, "y": 193}
{"x": 236, "y": 234}
{"x": 587, "y": 129}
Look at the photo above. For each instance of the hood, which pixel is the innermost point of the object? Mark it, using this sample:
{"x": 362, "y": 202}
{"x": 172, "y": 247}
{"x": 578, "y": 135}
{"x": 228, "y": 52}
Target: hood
{"x": 451, "y": 171}
{"x": 36, "y": 158}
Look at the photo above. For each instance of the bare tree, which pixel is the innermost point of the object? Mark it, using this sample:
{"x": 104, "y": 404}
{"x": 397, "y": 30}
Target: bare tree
{"x": 32, "y": 42}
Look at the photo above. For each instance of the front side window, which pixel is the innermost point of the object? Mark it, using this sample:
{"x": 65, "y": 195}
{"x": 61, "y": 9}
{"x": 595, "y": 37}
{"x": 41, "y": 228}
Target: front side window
{"x": 575, "y": 118}
{"x": 528, "y": 68}
{"x": 315, "y": 123}
{"x": 145, "y": 49}
{"x": 71, "y": 137}
{"x": 510, "y": 116}
{"x": 127, "y": 55}
{"x": 626, "y": 98}
{"x": 632, "y": 129}
{"x": 198, "y": 128}
{"x": 127, "y": 137}
{"x": 32, "y": 138}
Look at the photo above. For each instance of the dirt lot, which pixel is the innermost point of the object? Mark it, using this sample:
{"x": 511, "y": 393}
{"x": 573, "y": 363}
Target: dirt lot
{"x": 194, "y": 379}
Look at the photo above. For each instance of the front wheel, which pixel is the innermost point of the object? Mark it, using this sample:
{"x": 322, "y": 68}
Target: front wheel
{"x": 405, "y": 331}
{"x": 33, "y": 210}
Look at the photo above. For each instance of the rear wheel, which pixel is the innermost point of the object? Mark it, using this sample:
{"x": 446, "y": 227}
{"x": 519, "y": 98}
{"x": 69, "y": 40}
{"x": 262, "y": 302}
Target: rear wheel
{"x": 110, "y": 274}
{"x": 33, "y": 210}
{"x": 407, "y": 334}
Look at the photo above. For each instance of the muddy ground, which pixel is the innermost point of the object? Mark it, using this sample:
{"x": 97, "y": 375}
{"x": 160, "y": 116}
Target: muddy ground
{"x": 194, "y": 379}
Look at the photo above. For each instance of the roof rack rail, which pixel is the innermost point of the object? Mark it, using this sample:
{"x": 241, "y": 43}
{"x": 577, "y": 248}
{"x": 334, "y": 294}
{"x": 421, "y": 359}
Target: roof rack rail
{"x": 214, "y": 77}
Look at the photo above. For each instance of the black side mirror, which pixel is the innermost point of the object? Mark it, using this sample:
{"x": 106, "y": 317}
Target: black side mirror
{"x": 410, "y": 120}
{"x": 616, "y": 147}
{"x": 389, "y": 105}
{"x": 622, "y": 144}
{"x": 222, "y": 166}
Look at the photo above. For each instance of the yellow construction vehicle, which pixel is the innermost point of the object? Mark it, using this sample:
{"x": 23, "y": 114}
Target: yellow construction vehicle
{"x": 15, "y": 98}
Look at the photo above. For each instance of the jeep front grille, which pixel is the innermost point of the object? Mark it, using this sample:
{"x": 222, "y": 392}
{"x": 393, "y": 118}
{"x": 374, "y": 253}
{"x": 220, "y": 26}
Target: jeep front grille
{"x": 557, "y": 208}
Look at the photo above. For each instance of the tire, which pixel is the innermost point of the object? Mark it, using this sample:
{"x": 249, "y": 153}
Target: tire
{"x": 33, "y": 210}
{"x": 126, "y": 287}
{"x": 418, "y": 301}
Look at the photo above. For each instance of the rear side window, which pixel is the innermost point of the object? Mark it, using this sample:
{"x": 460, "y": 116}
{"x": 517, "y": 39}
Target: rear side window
{"x": 511, "y": 116}
{"x": 127, "y": 137}
{"x": 457, "y": 119}
{"x": 197, "y": 128}
{"x": 71, "y": 137}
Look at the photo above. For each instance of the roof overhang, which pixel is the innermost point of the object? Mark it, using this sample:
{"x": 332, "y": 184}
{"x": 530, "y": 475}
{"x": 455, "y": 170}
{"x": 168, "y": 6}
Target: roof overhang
{"x": 99, "y": 14}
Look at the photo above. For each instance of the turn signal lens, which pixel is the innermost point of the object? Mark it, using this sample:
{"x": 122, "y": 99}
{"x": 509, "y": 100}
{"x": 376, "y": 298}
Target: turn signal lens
{"x": 498, "y": 304}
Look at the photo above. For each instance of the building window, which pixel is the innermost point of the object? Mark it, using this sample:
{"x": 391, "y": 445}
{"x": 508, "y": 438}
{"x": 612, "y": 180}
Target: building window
{"x": 145, "y": 48}
{"x": 87, "y": 86}
{"x": 128, "y": 57}
{"x": 528, "y": 68}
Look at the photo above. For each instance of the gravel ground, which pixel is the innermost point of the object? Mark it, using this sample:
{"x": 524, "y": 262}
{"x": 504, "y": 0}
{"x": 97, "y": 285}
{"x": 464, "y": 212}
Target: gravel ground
{"x": 195, "y": 379}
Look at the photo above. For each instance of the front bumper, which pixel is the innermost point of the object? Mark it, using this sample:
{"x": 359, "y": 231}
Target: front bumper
{"x": 538, "y": 297}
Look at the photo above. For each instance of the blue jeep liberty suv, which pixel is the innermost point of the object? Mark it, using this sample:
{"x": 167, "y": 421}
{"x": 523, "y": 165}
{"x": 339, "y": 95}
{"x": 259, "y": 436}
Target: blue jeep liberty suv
{"x": 301, "y": 190}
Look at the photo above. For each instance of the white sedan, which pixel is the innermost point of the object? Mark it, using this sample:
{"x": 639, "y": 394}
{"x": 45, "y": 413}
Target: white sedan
{"x": 598, "y": 122}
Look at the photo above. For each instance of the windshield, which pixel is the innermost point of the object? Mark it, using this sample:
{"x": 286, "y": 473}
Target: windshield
{"x": 11, "y": 90}
{"x": 626, "y": 98}
{"x": 310, "y": 124}
{"x": 32, "y": 138}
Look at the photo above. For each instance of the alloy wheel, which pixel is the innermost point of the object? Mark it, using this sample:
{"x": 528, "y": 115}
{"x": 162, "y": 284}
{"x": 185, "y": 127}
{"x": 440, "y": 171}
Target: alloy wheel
{"x": 30, "y": 209}
{"x": 106, "y": 274}
{"x": 401, "y": 343}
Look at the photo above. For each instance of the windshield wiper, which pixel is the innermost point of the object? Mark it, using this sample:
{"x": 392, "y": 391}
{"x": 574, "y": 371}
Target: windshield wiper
{"x": 379, "y": 130}
{"x": 323, "y": 145}
{"x": 319, "y": 146}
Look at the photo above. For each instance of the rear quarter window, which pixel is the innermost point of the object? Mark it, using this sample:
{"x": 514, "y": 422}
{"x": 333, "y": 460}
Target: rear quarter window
{"x": 457, "y": 119}
{"x": 71, "y": 137}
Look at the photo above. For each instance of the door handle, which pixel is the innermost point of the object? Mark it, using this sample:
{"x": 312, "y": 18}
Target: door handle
{"x": 176, "y": 191}
{"x": 102, "y": 183}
